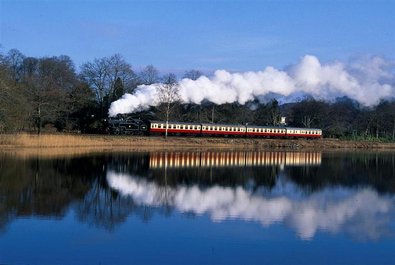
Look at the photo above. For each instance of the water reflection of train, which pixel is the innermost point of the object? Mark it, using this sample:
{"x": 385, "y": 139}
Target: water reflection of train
{"x": 122, "y": 124}
{"x": 232, "y": 159}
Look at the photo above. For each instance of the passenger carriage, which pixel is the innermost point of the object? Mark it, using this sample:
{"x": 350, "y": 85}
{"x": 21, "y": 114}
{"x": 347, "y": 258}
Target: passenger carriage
{"x": 211, "y": 129}
{"x": 175, "y": 128}
{"x": 307, "y": 133}
{"x": 265, "y": 131}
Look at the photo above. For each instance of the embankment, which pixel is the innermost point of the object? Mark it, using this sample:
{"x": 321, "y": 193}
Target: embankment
{"x": 149, "y": 143}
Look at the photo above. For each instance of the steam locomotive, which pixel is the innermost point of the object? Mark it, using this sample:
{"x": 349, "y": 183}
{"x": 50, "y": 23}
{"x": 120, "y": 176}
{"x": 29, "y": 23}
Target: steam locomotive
{"x": 124, "y": 124}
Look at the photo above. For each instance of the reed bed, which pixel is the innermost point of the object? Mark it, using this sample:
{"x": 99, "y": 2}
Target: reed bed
{"x": 8, "y": 141}
{"x": 97, "y": 141}
{"x": 49, "y": 140}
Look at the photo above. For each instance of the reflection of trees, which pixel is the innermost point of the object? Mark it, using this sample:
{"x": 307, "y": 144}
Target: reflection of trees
{"x": 49, "y": 187}
{"x": 350, "y": 170}
{"x": 103, "y": 207}
{"x": 43, "y": 187}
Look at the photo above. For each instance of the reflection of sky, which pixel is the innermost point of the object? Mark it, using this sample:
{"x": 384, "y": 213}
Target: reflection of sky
{"x": 362, "y": 213}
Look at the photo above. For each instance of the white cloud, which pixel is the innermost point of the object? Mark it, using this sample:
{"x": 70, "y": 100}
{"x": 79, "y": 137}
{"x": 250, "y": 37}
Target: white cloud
{"x": 366, "y": 82}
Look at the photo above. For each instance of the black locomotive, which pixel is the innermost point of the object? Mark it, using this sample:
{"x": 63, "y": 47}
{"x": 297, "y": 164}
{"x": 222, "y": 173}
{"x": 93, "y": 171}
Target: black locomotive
{"x": 125, "y": 124}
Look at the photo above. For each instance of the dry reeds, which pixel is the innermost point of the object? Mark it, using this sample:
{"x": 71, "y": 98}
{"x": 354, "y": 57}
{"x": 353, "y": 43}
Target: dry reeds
{"x": 149, "y": 143}
{"x": 66, "y": 140}
{"x": 91, "y": 141}
{"x": 50, "y": 140}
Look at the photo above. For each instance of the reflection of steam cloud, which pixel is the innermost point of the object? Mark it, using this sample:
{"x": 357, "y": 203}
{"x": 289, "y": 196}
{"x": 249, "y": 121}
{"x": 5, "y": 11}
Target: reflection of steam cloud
{"x": 358, "y": 212}
{"x": 235, "y": 159}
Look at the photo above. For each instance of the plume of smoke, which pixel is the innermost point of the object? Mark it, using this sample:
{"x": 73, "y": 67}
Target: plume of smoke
{"x": 367, "y": 81}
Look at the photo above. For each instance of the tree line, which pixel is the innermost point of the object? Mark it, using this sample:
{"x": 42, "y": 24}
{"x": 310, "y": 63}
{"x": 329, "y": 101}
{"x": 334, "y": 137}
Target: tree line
{"x": 50, "y": 94}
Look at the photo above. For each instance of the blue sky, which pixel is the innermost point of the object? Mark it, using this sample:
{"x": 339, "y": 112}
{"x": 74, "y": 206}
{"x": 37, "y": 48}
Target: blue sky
{"x": 206, "y": 35}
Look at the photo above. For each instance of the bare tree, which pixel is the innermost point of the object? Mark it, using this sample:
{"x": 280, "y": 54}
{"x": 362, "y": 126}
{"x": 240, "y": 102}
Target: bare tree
{"x": 14, "y": 60}
{"x": 102, "y": 75}
{"x": 95, "y": 74}
{"x": 149, "y": 75}
{"x": 119, "y": 69}
{"x": 193, "y": 74}
{"x": 168, "y": 96}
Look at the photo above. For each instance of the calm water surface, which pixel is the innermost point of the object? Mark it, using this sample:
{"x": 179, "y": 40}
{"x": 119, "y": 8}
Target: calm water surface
{"x": 198, "y": 208}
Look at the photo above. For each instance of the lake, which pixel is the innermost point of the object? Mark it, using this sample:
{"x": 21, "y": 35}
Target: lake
{"x": 198, "y": 207}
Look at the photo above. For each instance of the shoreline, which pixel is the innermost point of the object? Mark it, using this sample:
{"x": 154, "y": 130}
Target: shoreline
{"x": 136, "y": 143}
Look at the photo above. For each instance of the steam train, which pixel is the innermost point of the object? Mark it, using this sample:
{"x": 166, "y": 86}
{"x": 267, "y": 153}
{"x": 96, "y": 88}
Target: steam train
{"x": 123, "y": 124}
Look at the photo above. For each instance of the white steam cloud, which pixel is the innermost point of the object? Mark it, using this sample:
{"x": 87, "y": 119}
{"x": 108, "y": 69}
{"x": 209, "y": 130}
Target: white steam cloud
{"x": 359, "y": 212}
{"x": 367, "y": 81}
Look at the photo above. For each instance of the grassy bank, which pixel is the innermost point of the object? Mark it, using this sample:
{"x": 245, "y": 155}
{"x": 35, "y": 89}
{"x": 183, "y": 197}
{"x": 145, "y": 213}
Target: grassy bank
{"x": 146, "y": 143}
